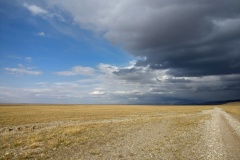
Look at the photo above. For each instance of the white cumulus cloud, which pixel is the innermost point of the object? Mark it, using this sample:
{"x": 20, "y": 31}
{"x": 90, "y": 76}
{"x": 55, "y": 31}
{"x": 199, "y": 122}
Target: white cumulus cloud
{"x": 77, "y": 70}
{"x": 97, "y": 93}
{"x": 43, "y": 13}
{"x": 35, "y": 10}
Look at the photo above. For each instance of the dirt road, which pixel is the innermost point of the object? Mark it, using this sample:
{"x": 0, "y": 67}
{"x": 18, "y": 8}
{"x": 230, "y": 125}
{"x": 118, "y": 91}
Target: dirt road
{"x": 221, "y": 136}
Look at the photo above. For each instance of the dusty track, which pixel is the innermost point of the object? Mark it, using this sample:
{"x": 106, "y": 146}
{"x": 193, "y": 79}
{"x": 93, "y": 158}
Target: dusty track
{"x": 221, "y": 135}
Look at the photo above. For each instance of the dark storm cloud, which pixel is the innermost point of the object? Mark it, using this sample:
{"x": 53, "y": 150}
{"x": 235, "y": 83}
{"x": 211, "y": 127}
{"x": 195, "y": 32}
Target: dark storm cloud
{"x": 191, "y": 38}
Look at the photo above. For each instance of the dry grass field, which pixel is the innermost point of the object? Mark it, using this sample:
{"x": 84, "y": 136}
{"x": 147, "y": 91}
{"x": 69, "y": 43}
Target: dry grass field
{"x": 118, "y": 132}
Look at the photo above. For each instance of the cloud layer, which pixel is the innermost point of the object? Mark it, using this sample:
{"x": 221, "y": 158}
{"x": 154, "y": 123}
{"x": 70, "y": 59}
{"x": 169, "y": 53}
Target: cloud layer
{"x": 129, "y": 84}
{"x": 21, "y": 70}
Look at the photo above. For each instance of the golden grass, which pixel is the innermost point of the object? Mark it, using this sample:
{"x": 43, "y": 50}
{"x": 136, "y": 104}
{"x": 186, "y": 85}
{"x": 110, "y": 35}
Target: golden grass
{"x": 49, "y": 141}
{"x": 27, "y": 114}
{"x": 232, "y": 108}
{"x": 45, "y": 142}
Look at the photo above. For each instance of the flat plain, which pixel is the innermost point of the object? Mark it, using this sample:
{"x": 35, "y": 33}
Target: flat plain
{"x": 120, "y": 132}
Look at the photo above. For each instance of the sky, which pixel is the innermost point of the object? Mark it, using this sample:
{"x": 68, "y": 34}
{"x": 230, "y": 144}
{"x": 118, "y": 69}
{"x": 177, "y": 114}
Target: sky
{"x": 119, "y": 51}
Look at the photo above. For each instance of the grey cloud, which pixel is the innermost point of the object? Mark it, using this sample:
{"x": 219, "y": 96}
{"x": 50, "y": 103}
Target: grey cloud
{"x": 175, "y": 80}
{"x": 136, "y": 75}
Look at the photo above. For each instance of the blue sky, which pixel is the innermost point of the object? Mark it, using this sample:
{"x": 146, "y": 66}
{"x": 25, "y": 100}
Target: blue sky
{"x": 118, "y": 52}
{"x": 38, "y": 47}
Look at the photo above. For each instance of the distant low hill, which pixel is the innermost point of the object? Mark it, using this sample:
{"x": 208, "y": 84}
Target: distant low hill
{"x": 220, "y": 102}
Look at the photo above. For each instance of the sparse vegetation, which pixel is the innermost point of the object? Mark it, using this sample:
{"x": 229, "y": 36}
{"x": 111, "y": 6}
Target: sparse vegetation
{"x": 232, "y": 108}
{"x": 84, "y": 131}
